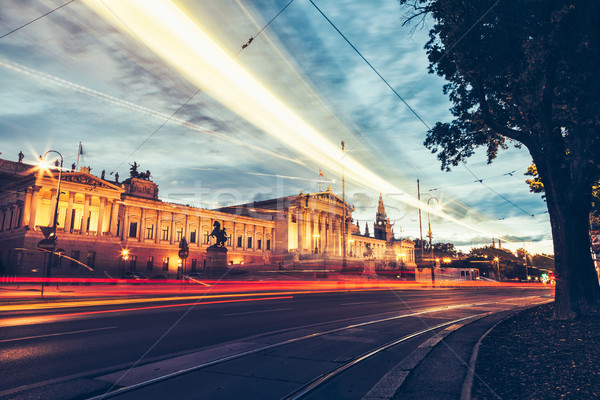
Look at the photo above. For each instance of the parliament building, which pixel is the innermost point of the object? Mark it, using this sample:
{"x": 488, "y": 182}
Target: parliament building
{"x": 106, "y": 227}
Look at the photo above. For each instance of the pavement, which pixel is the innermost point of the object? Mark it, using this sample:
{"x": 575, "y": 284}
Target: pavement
{"x": 441, "y": 368}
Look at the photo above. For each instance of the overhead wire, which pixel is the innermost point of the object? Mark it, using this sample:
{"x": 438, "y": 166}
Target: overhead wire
{"x": 404, "y": 101}
{"x": 37, "y": 19}
{"x": 243, "y": 47}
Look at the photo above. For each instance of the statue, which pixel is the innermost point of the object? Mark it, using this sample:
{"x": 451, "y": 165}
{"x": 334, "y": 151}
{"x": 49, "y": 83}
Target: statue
{"x": 73, "y": 167}
{"x": 133, "y": 172}
{"x": 21, "y": 156}
{"x": 103, "y": 173}
{"x": 219, "y": 234}
{"x": 117, "y": 177}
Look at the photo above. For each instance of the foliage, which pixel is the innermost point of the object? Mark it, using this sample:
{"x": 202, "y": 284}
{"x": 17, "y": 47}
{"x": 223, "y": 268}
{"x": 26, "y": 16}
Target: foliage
{"x": 525, "y": 73}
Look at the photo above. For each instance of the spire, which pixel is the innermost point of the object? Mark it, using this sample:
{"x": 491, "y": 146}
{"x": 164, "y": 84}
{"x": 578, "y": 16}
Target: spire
{"x": 381, "y": 208}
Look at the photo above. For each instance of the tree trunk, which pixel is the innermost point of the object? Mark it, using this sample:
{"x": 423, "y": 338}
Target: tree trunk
{"x": 576, "y": 279}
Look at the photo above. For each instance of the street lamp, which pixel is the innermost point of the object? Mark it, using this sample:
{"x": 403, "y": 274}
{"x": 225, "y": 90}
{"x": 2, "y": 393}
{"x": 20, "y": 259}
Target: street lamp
{"x": 124, "y": 257}
{"x": 429, "y": 233}
{"x": 52, "y": 233}
{"x": 497, "y": 260}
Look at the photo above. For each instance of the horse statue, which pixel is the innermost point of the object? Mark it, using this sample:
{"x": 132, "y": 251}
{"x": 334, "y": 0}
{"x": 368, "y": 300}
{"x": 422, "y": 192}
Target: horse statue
{"x": 219, "y": 234}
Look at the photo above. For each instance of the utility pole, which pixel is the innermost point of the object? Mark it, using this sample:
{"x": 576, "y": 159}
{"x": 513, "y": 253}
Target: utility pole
{"x": 420, "y": 223}
{"x": 343, "y": 213}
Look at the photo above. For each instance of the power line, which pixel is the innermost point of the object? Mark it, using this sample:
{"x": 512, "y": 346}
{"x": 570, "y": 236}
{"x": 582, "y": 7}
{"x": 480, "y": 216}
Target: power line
{"x": 369, "y": 64}
{"x": 36, "y": 19}
{"x": 244, "y": 46}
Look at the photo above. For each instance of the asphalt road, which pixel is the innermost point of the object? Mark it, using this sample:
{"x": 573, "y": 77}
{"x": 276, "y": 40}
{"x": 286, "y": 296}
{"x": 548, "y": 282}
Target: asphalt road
{"x": 41, "y": 347}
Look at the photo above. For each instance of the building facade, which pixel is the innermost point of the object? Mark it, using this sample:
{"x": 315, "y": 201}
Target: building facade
{"x": 106, "y": 228}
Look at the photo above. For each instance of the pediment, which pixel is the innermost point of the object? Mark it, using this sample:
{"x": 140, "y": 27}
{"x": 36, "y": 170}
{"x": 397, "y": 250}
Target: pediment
{"x": 83, "y": 178}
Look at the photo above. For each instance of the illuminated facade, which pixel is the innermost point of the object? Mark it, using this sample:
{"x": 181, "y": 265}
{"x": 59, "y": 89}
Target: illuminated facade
{"x": 99, "y": 219}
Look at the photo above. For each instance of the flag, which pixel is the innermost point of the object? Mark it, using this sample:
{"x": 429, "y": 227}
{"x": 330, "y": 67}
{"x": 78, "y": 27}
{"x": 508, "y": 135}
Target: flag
{"x": 321, "y": 173}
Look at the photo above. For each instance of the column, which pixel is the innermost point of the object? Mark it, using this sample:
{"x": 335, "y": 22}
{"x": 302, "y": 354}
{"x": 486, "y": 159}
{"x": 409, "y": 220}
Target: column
{"x": 157, "y": 230}
{"x": 27, "y": 207}
{"x": 245, "y": 238}
{"x": 300, "y": 226}
{"x": 125, "y": 223}
{"x": 172, "y": 228}
{"x": 69, "y": 214}
{"x": 34, "y": 205}
{"x": 114, "y": 217}
{"x": 85, "y": 216}
{"x": 199, "y": 234}
{"x": 142, "y": 225}
{"x": 101, "y": 213}
{"x": 234, "y": 236}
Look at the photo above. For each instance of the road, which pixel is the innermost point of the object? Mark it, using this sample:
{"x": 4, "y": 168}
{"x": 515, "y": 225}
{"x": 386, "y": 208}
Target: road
{"x": 62, "y": 348}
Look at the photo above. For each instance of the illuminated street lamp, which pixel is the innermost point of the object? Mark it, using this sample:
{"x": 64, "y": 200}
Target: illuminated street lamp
{"x": 316, "y": 237}
{"x": 497, "y": 260}
{"x": 52, "y": 232}
{"x": 124, "y": 257}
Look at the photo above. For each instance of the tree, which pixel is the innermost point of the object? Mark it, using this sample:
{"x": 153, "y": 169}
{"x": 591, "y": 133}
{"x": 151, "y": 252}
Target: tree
{"x": 525, "y": 72}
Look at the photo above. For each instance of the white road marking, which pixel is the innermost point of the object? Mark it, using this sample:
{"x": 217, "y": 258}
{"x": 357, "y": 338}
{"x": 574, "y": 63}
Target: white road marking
{"x": 256, "y": 312}
{"x": 360, "y": 302}
{"x": 57, "y": 334}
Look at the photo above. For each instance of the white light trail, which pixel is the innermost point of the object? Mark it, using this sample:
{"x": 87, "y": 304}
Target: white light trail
{"x": 166, "y": 29}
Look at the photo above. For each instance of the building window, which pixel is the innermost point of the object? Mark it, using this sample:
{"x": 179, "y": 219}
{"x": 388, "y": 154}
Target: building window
{"x": 268, "y": 244}
{"x": 132, "y": 262}
{"x": 165, "y": 263}
{"x": 258, "y": 244}
{"x": 91, "y": 259}
{"x": 193, "y": 237}
{"x": 150, "y": 263}
{"x": 133, "y": 229}
{"x": 229, "y": 239}
{"x": 194, "y": 264}
{"x": 150, "y": 232}
{"x": 239, "y": 242}
{"x": 294, "y": 220}
{"x": 250, "y": 242}
{"x": 118, "y": 224}
{"x": 206, "y": 237}
{"x": 75, "y": 257}
{"x": 165, "y": 233}
{"x": 179, "y": 235}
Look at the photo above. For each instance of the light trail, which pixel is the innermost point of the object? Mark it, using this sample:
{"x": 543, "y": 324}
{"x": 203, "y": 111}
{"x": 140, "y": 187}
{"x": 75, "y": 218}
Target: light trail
{"x": 18, "y": 321}
{"x": 127, "y": 105}
{"x": 168, "y": 31}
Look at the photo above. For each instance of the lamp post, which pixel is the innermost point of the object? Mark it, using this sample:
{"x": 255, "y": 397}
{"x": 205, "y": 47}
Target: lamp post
{"x": 52, "y": 234}
{"x": 497, "y": 260}
{"x": 344, "y": 211}
{"x": 430, "y": 234}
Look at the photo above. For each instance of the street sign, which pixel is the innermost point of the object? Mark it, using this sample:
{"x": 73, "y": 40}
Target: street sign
{"x": 46, "y": 244}
{"x": 183, "y": 254}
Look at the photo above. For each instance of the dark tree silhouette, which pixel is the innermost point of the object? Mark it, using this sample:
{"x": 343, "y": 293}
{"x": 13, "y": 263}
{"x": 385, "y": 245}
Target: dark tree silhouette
{"x": 526, "y": 72}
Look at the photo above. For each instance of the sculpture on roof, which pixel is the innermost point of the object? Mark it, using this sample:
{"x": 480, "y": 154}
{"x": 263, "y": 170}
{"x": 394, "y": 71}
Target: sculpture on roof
{"x": 133, "y": 171}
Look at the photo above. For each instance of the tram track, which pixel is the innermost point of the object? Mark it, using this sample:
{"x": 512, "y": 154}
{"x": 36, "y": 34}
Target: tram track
{"x": 326, "y": 374}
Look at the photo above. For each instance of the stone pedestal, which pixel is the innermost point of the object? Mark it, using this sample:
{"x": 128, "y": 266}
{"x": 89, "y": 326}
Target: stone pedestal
{"x": 216, "y": 260}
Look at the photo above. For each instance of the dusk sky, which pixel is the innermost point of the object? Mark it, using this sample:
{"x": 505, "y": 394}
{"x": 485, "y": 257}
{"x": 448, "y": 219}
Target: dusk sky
{"x": 261, "y": 122}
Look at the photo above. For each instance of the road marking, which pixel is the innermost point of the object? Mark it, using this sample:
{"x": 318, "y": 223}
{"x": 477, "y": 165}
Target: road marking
{"x": 360, "y": 302}
{"x": 57, "y": 334}
{"x": 256, "y": 312}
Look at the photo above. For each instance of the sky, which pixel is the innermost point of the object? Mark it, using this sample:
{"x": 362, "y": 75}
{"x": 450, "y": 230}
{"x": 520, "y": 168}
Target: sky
{"x": 168, "y": 85}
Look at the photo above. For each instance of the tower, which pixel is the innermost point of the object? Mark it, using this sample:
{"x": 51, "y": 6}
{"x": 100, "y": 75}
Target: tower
{"x": 382, "y": 228}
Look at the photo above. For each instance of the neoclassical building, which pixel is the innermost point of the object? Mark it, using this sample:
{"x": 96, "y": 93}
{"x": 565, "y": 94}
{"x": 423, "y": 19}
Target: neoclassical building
{"x": 99, "y": 219}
